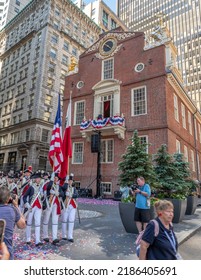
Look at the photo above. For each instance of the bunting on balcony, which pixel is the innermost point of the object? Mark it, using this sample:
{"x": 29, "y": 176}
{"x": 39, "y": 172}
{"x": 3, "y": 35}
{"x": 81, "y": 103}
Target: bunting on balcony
{"x": 100, "y": 123}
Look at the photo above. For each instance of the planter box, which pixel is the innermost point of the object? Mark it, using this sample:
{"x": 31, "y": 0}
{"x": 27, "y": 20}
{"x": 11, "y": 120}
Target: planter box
{"x": 126, "y": 211}
{"x": 192, "y": 202}
{"x": 179, "y": 209}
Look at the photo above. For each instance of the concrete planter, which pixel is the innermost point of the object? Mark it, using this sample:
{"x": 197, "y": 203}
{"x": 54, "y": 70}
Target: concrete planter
{"x": 126, "y": 211}
{"x": 192, "y": 202}
{"x": 179, "y": 209}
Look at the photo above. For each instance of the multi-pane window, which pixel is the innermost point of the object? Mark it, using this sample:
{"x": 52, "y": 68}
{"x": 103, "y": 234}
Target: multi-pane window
{"x": 48, "y": 99}
{"x": 139, "y": 101}
{"x": 79, "y": 112}
{"x": 183, "y": 115}
{"x": 107, "y": 103}
{"x": 1, "y": 160}
{"x": 178, "y": 146}
{"x": 190, "y": 123}
{"x": 3, "y": 140}
{"x": 54, "y": 39}
{"x": 105, "y": 19}
{"x": 192, "y": 161}
{"x": 65, "y": 59}
{"x": 12, "y": 157}
{"x": 27, "y": 135}
{"x": 144, "y": 140}
{"x": 66, "y": 46}
{"x": 78, "y": 149}
{"x": 106, "y": 188}
{"x": 199, "y": 131}
{"x": 51, "y": 67}
{"x": 186, "y": 153}
{"x": 176, "y": 109}
{"x": 15, "y": 138}
{"x": 107, "y": 150}
{"x": 45, "y": 135}
{"x": 53, "y": 53}
{"x": 108, "y": 69}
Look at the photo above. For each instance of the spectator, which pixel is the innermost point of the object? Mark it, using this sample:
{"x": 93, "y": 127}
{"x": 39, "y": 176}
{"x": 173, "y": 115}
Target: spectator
{"x": 142, "y": 205}
{"x": 9, "y": 211}
{"x": 163, "y": 246}
{"x": 4, "y": 255}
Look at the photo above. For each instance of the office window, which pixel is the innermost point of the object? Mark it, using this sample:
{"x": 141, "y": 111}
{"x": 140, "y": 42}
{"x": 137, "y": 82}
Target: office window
{"x": 27, "y": 135}
{"x": 183, "y": 115}
{"x": 45, "y": 135}
{"x": 107, "y": 150}
{"x": 139, "y": 101}
{"x": 54, "y": 39}
{"x": 53, "y": 53}
{"x": 108, "y": 69}
{"x": 66, "y": 46}
{"x": 78, "y": 149}
{"x": 79, "y": 112}
{"x": 176, "y": 110}
{"x": 64, "y": 59}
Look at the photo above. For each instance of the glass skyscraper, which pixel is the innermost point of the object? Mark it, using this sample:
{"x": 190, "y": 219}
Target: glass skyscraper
{"x": 183, "y": 19}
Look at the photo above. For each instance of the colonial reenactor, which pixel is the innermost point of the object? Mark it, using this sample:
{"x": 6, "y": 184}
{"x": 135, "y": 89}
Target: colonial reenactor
{"x": 54, "y": 192}
{"x": 33, "y": 205}
{"x": 26, "y": 181}
{"x": 69, "y": 209}
{"x": 12, "y": 186}
{"x": 2, "y": 179}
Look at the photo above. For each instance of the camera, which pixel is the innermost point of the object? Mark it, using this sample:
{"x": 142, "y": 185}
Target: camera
{"x": 12, "y": 197}
{"x": 134, "y": 187}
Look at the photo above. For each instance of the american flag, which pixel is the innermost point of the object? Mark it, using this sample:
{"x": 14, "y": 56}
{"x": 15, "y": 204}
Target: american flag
{"x": 55, "y": 152}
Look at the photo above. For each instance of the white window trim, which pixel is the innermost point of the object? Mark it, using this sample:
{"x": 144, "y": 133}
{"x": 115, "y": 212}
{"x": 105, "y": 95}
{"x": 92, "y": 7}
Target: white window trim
{"x": 108, "y": 193}
{"x": 190, "y": 123}
{"x": 75, "y": 111}
{"x": 193, "y": 160}
{"x": 178, "y": 146}
{"x": 102, "y": 74}
{"x": 186, "y": 153}
{"x": 132, "y": 101}
{"x": 176, "y": 108}
{"x": 146, "y": 136}
{"x": 183, "y": 114}
{"x": 108, "y": 162}
{"x": 78, "y": 163}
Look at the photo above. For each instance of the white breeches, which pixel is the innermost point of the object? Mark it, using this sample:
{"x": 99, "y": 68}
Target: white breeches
{"x": 68, "y": 218}
{"x": 36, "y": 214}
{"x": 46, "y": 217}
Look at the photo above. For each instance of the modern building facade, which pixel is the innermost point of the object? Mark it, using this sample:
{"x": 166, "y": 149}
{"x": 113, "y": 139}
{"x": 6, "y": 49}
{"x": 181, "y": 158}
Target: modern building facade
{"x": 183, "y": 19}
{"x": 125, "y": 83}
{"x": 101, "y": 14}
{"x": 35, "y": 52}
{"x": 9, "y": 9}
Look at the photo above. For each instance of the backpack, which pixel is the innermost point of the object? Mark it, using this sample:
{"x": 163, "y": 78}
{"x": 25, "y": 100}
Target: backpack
{"x": 139, "y": 237}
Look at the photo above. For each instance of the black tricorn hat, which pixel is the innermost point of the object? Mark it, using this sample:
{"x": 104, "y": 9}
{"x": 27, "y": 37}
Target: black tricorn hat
{"x": 10, "y": 176}
{"x": 36, "y": 175}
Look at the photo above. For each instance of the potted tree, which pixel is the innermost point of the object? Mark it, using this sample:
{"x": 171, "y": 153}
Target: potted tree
{"x": 135, "y": 162}
{"x": 172, "y": 177}
{"x": 192, "y": 198}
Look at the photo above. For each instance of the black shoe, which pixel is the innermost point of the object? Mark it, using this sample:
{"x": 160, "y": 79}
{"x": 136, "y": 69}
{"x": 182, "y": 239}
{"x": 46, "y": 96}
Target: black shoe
{"x": 39, "y": 244}
{"x": 64, "y": 238}
{"x": 71, "y": 240}
{"x": 55, "y": 241}
{"x": 28, "y": 242}
{"x": 46, "y": 239}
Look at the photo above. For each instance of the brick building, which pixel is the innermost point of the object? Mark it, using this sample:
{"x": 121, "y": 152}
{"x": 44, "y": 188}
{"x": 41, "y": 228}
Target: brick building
{"x": 125, "y": 83}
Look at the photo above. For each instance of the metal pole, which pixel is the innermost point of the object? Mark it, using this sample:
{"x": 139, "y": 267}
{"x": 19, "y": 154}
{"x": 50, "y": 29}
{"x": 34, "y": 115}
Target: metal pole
{"x": 98, "y": 178}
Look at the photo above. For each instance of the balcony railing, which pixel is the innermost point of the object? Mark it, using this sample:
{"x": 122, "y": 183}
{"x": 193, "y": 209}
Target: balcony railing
{"x": 108, "y": 126}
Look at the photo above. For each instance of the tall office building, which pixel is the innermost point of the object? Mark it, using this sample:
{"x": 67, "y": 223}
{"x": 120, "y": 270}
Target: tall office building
{"x": 101, "y": 14}
{"x": 35, "y": 52}
{"x": 9, "y": 9}
{"x": 183, "y": 19}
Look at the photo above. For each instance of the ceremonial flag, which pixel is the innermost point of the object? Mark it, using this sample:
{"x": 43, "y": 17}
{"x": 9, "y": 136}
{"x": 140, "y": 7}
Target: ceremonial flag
{"x": 67, "y": 144}
{"x": 55, "y": 152}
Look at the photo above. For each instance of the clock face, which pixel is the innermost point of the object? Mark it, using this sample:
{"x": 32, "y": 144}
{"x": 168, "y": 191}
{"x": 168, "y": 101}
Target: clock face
{"x": 108, "y": 46}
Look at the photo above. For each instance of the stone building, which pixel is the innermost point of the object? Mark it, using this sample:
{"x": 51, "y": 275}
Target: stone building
{"x": 126, "y": 83}
{"x": 35, "y": 52}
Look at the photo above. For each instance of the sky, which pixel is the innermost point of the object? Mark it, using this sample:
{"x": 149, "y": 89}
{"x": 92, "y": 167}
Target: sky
{"x": 110, "y": 3}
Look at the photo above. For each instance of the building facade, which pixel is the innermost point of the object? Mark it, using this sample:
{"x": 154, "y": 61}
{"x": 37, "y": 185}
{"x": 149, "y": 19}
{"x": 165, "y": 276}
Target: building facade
{"x": 35, "y": 52}
{"x": 9, "y": 9}
{"x": 125, "y": 83}
{"x": 184, "y": 22}
{"x": 101, "y": 14}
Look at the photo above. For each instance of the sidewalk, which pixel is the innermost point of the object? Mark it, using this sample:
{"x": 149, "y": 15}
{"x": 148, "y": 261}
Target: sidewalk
{"x": 99, "y": 236}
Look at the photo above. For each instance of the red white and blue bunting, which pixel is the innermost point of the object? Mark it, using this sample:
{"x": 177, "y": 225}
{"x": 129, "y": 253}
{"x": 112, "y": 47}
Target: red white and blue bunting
{"x": 100, "y": 123}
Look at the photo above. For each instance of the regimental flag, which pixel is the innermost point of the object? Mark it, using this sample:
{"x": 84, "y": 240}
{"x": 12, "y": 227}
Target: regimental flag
{"x": 55, "y": 152}
{"x": 67, "y": 144}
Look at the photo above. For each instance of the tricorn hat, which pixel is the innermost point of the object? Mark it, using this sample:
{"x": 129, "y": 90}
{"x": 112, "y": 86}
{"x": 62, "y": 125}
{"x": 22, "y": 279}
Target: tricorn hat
{"x": 36, "y": 175}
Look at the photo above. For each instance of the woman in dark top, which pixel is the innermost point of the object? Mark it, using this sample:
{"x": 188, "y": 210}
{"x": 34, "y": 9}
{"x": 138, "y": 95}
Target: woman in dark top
{"x": 164, "y": 246}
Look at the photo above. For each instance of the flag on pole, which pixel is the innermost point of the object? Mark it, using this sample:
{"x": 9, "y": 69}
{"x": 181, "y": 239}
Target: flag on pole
{"x": 67, "y": 144}
{"x": 55, "y": 152}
